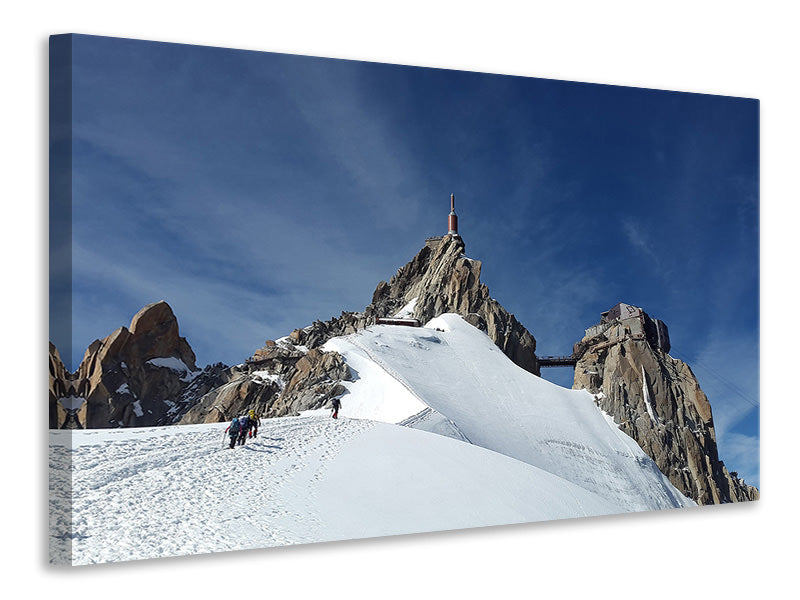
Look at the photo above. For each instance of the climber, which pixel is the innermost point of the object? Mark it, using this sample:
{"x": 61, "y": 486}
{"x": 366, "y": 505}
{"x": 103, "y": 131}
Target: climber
{"x": 233, "y": 431}
{"x": 336, "y": 405}
{"x": 254, "y": 423}
{"x": 244, "y": 427}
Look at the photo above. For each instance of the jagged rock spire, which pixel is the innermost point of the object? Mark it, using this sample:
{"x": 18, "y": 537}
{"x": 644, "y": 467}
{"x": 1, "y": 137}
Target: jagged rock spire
{"x": 657, "y": 401}
{"x": 443, "y": 280}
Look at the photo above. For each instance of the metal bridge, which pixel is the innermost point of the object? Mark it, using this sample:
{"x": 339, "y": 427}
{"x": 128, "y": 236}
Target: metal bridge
{"x": 557, "y": 361}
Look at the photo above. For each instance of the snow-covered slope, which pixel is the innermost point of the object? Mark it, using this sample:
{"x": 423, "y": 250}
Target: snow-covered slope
{"x": 513, "y": 448}
{"x": 450, "y": 377}
{"x": 169, "y": 491}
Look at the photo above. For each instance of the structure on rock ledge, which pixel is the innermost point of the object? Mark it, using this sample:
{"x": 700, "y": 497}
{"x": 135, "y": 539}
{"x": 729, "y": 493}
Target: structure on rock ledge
{"x": 452, "y": 219}
{"x": 624, "y": 362}
{"x": 452, "y": 226}
{"x": 638, "y": 324}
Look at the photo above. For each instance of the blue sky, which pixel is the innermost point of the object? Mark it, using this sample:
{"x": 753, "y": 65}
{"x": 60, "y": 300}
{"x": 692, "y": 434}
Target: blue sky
{"x": 258, "y": 192}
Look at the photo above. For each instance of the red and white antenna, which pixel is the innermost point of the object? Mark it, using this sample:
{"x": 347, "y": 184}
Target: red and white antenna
{"x": 452, "y": 219}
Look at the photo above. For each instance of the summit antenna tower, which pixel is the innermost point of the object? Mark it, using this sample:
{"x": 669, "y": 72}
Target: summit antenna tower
{"x": 452, "y": 218}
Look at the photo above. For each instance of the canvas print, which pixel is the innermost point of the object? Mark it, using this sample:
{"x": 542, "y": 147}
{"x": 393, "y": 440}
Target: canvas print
{"x": 298, "y": 300}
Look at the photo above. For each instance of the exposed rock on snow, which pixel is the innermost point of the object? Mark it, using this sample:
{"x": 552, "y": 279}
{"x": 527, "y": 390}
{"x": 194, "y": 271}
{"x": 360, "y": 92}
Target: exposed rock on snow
{"x": 280, "y": 380}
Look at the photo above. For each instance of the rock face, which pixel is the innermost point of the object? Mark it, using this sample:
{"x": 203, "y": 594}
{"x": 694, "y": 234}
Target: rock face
{"x": 61, "y": 388}
{"x": 657, "y": 401}
{"x": 440, "y": 279}
{"x": 280, "y": 379}
{"x": 139, "y": 376}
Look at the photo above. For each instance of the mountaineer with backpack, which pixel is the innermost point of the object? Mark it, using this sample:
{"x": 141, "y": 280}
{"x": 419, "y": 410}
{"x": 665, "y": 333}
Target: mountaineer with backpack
{"x": 254, "y": 423}
{"x": 233, "y": 431}
{"x": 244, "y": 427}
{"x": 336, "y": 405}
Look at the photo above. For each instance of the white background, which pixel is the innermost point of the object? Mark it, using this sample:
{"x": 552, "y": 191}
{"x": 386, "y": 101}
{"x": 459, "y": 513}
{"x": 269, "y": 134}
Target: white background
{"x": 731, "y": 48}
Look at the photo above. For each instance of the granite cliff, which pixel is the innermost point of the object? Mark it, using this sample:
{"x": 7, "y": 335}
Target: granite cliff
{"x": 624, "y": 361}
{"x": 140, "y": 375}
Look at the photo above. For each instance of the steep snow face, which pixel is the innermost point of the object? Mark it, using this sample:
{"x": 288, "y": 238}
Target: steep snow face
{"x": 465, "y": 382}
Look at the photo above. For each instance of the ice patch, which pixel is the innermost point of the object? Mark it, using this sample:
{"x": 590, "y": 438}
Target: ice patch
{"x": 647, "y": 399}
{"x": 137, "y": 409}
{"x": 267, "y": 376}
{"x": 174, "y": 363}
{"x": 407, "y": 311}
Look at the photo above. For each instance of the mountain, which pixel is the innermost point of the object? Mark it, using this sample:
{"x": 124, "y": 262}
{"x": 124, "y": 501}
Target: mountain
{"x": 441, "y": 279}
{"x": 146, "y": 375}
{"x": 140, "y": 375}
{"x": 290, "y": 375}
{"x": 439, "y": 430}
{"x": 624, "y": 361}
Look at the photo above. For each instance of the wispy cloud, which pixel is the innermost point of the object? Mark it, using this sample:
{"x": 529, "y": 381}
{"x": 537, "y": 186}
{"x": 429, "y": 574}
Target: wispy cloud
{"x": 639, "y": 238}
{"x": 741, "y": 454}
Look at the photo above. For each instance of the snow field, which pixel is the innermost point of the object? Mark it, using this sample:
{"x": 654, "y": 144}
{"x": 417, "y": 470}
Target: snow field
{"x": 484, "y": 443}
{"x": 155, "y": 493}
{"x": 302, "y": 480}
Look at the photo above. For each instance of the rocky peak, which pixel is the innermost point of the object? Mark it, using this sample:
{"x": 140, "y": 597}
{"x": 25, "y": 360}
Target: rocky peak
{"x": 656, "y": 400}
{"x": 154, "y": 333}
{"x": 442, "y": 279}
{"x": 133, "y": 376}
{"x": 292, "y": 374}
{"x": 439, "y": 279}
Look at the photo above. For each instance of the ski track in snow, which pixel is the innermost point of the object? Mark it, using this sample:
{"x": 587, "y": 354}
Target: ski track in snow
{"x": 124, "y": 492}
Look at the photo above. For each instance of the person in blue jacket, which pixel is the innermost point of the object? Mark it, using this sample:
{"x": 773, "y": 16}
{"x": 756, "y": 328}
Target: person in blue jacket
{"x": 233, "y": 431}
{"x": 244, "y": 427}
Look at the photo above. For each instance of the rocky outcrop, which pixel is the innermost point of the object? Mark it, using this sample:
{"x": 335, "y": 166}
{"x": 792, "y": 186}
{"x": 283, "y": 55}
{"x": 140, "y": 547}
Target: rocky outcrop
{"x": 234, "y": 398}
{"x": 281, "y": 379}
{"x": 441, "y": 279}
{"x": 657, "y": 401}
{"x": 319, "y": 332}
{"x": 138, "y": 376}
{"x": 316, "y": 379}
{"x": 61, "y": 388}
